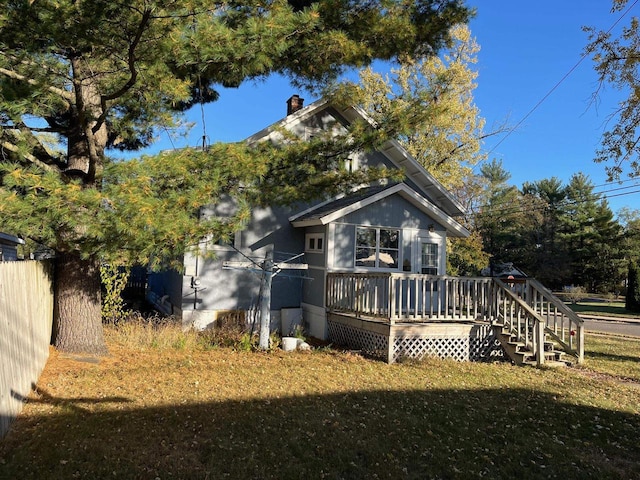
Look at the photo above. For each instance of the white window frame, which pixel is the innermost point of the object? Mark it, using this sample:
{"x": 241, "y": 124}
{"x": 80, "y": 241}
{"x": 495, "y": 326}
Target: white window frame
{"x": 311, "y": 242}
{"x": 378, "y": 248}
{"x": 436, "y": 264}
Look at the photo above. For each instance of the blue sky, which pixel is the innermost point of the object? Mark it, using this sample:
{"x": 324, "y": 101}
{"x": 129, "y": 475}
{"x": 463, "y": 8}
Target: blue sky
{"x": 526, "y": 49}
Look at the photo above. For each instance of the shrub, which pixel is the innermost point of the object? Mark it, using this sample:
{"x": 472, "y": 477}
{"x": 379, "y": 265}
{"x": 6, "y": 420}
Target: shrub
{"x": 574, "y": 294}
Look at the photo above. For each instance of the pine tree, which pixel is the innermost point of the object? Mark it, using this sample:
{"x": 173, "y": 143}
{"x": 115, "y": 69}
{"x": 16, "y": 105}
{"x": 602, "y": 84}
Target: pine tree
{"x": 633, "y": 288}
{"x": 80, "y": 78}
{"x": 548, "y": 260}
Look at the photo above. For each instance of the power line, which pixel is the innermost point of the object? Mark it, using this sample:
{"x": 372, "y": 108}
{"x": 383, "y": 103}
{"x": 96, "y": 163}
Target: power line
{"x": 514, "y": 209}
{"x": 548, "y": 94}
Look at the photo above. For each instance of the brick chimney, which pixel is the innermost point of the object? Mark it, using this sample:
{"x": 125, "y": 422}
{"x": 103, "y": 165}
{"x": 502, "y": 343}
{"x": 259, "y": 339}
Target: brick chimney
{"x": 294, "y": 104}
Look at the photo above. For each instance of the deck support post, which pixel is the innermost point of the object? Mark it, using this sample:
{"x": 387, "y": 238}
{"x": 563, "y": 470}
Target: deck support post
{"x": 391, "y": 339}
{"x": 539, "y": 336}
{"x": 580, "y": 334}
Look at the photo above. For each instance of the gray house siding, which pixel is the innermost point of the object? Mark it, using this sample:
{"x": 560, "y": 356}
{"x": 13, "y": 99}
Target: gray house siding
{"x": 313, "y": 287}
{"x": 237, "y": 288}
{"x": 392, "y": 211}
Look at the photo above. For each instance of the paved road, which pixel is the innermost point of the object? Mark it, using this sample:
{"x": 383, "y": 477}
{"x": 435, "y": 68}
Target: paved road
{"x": 610, "y": 325}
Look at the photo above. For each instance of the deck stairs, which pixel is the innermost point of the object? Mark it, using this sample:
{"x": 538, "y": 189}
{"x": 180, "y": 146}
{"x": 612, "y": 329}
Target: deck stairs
{"x": 530, "y": 322}
{"x": 521, "y": 354}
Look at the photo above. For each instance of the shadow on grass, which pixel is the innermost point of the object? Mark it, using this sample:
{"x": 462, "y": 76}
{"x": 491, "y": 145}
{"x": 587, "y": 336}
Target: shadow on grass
{"x": 611, "y": 357}
{"x": 493, "y": 433}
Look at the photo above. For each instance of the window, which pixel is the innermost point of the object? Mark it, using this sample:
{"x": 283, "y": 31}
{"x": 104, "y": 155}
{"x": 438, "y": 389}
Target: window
{"x": 430, "y": 258}
{"x": 314, "y": 243}
{"x": 377, "y": 247}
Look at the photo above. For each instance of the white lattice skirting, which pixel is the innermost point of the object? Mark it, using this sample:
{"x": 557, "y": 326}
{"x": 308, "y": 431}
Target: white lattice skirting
{"x": 463, "y": 343}
{"x": 370, "y": 343}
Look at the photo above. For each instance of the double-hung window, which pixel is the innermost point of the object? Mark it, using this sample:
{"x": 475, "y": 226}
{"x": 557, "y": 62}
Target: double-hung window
{"x": 430, "y": 258}
{"x": 377, "y": 247}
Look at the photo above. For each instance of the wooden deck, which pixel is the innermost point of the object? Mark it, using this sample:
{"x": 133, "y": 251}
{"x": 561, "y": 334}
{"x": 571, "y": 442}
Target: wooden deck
{"x": 396, "y": 315}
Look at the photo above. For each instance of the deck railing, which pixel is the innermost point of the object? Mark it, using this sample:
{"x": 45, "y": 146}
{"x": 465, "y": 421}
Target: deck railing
{"x": 409, "y": 297}
{"x": 526, "y": 308}
{"x": 561, "y": 323}
{"x": 515, "y": 317}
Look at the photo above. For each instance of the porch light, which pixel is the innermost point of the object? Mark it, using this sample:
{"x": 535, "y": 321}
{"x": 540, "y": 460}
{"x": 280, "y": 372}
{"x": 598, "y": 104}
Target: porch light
{"x": 432, "y": 228}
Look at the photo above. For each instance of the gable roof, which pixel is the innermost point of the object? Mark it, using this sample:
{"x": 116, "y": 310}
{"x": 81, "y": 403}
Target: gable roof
{"x": 328, "y": 212}
{"x": 391, "y": 149}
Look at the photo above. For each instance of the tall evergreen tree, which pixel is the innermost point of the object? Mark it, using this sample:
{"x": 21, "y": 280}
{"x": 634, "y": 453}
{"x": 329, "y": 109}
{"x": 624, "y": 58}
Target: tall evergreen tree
{"x": 548, "y": 259}
{"x": 502, "y": 216}
{"x": 98, "y": 75}
{"x": 591, "y": 235}
{"x": 632, "y": 299}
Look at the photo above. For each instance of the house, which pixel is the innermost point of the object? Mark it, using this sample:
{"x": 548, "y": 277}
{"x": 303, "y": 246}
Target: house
{"x": 365, "y": 269}
{"x": 9, "y": 247}
{"x": 380, "y": 228}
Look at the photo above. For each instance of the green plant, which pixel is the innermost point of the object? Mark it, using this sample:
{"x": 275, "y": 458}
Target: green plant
{"x": 114, "y": 280}
{"x": 298, "y": 332}
{"x": 246, "y": 342}
{"x": 274, "y": 340}
{"x": 632, "y": 299}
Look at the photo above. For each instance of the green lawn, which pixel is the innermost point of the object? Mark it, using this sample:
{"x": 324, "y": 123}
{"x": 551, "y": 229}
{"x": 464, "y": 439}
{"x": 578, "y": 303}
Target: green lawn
{"x": 196, "y": 413}
{"x": 609, "y": 309}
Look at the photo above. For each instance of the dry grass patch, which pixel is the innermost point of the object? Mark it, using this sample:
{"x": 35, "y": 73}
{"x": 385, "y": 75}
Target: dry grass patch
{"x": 206, "y": 413}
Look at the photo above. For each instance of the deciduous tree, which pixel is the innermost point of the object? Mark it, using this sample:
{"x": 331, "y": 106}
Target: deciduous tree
{"x": 447, "y": 129}
{"x": 617, "y": 62}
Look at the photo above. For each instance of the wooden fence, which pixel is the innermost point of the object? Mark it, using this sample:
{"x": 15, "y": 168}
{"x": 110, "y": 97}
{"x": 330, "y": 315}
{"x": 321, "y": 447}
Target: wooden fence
{"x": 26, "y": 317}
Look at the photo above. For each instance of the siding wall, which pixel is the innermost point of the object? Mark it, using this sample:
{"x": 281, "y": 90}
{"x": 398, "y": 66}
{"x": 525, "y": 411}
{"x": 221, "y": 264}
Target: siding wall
{"x": 26, "y": 317}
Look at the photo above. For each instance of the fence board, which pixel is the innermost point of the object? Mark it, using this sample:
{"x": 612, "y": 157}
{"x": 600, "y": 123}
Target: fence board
{"x": 26, "y": 318}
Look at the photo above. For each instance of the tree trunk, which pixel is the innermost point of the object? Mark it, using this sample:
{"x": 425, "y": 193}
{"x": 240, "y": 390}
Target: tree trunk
{"x": 77, "y": 326}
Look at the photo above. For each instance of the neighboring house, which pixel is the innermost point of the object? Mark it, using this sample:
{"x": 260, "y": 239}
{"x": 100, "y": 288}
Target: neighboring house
{"x": 381, "y": 228}
{"x": 374, "y": 276}
{"x": 9, "y": 247}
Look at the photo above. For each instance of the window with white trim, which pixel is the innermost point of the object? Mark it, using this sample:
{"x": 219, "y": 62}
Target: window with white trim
{"x": 430, "y": 258}
{"x": 377, "y": 247}
{"x": 314, "y": 243}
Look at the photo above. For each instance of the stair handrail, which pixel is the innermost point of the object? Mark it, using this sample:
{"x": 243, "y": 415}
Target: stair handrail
{"x": 538, "y": 325}
{"x": 576, "y": 323}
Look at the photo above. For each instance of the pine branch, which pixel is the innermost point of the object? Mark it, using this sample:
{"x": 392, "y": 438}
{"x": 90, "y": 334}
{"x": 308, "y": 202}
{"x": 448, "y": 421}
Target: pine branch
{"x": 133, "y": 72}
{"x": 16, "y": 76}
{"x": 14, "y": 148}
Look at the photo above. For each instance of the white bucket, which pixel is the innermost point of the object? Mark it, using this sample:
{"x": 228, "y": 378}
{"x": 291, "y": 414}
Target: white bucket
{"x": 289, "y": 343}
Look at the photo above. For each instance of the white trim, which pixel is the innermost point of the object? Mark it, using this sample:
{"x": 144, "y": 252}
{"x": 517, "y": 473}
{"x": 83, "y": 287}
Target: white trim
{"x": 330, "y": 254}
{"x": 452, "y": 227}
{"x": 317, "y": 267}
{"x": 317, "y": 238}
